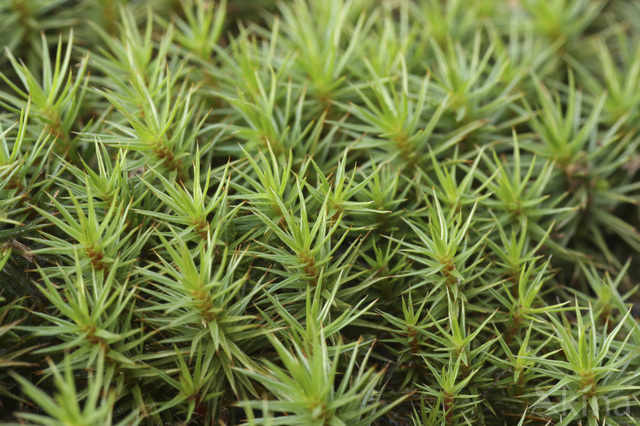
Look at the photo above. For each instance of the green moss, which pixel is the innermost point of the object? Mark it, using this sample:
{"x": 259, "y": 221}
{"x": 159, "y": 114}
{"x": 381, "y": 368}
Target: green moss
{"x": 319, "y": 212}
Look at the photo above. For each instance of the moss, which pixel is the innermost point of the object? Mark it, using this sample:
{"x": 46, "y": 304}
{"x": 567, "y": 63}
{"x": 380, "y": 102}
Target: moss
{"x": 319, "y": 212}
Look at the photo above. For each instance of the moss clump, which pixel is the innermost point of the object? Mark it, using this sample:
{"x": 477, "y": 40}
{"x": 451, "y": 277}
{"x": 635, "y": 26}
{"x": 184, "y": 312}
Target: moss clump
{"x": 319, "y": 212}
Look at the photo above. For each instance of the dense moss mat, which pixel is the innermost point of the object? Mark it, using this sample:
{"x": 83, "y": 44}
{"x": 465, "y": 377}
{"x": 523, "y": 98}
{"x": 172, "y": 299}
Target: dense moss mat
{"x": 319, "y": 212}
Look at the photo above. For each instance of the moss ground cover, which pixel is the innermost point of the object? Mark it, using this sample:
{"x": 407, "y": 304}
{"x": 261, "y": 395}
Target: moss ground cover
{"x": 339, "y": 212}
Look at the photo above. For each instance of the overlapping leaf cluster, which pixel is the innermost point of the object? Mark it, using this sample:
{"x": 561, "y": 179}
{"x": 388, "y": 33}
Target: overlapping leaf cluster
{"x": 319, "y": 212}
